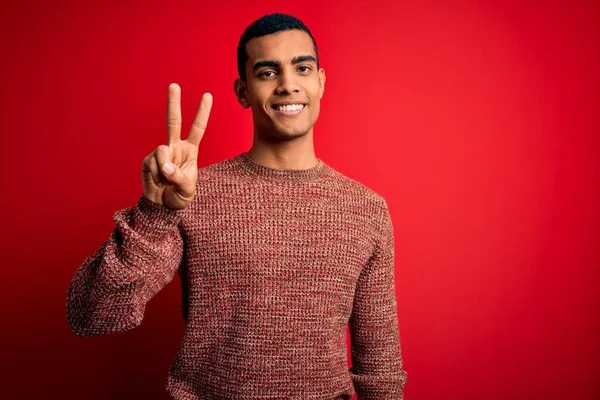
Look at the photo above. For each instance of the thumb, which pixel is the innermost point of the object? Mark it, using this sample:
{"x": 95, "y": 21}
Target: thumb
{"x": 173, "y": 174}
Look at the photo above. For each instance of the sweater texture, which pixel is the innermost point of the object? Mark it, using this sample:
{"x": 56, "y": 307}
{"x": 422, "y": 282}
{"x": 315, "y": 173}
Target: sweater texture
{"x": 274, "y": 266}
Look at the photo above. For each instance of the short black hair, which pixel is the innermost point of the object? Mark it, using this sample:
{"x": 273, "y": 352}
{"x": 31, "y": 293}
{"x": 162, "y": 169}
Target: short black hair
{"x": 266, "y": 25}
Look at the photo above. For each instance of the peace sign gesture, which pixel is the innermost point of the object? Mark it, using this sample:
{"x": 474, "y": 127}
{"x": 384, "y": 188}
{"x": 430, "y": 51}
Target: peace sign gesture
{"x": 170, "y": 172}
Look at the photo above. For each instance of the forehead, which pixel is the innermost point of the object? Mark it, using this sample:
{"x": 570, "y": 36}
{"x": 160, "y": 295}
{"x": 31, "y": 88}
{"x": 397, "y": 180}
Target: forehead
{"x": 281, "y": 46}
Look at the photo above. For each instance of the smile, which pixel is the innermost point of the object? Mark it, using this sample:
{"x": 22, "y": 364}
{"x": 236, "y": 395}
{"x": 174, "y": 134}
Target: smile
{"x": 289, "y": 109}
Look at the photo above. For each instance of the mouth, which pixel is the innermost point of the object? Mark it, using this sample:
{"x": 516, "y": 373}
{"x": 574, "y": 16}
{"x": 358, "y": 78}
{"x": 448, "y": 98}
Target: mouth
{"x": 288, "y": 109}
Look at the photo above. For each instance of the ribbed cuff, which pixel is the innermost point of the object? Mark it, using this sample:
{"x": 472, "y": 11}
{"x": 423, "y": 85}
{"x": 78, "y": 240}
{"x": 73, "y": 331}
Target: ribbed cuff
{"x": 154, "y": 221}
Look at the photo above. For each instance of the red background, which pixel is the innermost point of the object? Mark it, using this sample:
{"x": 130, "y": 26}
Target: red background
{"x": 477, "y": 121}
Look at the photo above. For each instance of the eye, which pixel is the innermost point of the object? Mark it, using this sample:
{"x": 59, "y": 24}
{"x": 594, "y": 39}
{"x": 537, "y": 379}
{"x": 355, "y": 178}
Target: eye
{"x": 304, "y": 68}
{"x": 265, "y": 74}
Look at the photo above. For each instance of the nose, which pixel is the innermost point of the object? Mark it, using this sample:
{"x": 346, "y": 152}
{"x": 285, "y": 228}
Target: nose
{"x": 287, "y": 83}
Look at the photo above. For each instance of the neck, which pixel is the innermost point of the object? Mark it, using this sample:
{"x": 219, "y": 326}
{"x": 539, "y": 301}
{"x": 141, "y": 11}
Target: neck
{"x": 292, "y": 154}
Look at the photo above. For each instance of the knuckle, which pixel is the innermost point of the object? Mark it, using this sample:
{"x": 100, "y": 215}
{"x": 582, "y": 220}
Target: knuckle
{"x": 148, "y": 159}
{"x": 199, "y": 125}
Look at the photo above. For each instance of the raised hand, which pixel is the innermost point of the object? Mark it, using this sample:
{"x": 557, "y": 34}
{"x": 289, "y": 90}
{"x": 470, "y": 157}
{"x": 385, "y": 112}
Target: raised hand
{"x": 170, "y": 172}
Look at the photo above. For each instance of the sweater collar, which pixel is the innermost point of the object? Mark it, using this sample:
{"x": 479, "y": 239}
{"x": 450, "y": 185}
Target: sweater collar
{"x": 280, "y": 175}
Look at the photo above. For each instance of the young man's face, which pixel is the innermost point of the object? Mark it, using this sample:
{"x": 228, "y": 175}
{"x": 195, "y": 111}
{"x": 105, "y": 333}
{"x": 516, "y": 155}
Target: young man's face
{"x": 283, "y": 85}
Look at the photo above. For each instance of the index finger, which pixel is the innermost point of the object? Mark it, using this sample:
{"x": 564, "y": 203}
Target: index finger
{"x": 201, "y": 120}
{"x": 174, "y": 114}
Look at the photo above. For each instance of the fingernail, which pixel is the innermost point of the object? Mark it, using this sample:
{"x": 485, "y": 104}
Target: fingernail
{"x": 168, "y": 168}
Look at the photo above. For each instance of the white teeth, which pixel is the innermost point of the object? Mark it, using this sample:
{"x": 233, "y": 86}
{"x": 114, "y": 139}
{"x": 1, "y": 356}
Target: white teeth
{"x": 291, "y": 107}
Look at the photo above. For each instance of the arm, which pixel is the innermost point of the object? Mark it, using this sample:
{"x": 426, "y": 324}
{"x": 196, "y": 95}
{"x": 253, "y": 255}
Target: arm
{"x": 377, "y": 371}
{"x": 109, "y": 291}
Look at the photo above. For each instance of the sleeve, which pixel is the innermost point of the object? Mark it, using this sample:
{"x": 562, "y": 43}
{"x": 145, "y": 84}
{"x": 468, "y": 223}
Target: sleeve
{"x": 376, "y": 370}
{"x": 110, "y": 289}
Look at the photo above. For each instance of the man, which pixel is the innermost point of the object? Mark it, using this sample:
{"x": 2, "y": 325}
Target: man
{"x": 277, "y": 251}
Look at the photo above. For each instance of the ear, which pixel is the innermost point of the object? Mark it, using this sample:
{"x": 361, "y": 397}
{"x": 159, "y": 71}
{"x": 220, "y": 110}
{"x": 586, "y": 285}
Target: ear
{"x": 321, "y": 82}
{"x": 239, "y": 87}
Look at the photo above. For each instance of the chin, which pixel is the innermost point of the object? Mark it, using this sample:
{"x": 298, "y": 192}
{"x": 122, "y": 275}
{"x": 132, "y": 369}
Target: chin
{"x": 296, "y": 129}
{"x": 291, "y": 133}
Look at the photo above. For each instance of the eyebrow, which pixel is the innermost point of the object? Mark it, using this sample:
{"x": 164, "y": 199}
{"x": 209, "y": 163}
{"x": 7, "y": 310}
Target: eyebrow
{"x": 275, "y": 64}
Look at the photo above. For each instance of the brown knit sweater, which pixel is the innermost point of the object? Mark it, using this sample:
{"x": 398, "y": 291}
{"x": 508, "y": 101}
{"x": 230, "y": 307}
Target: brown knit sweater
{"x": 274, "y": 265}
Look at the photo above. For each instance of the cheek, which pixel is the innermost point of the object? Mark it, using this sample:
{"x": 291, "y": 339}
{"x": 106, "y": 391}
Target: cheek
{"x": 315, "y": 90}
{"x": 257, "y": 102}
{"x": 254, "y": 93}
{"x": 316, "y": 108}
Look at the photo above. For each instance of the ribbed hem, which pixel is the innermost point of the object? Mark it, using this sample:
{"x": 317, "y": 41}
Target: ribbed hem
{"x": 280, "y": 175}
